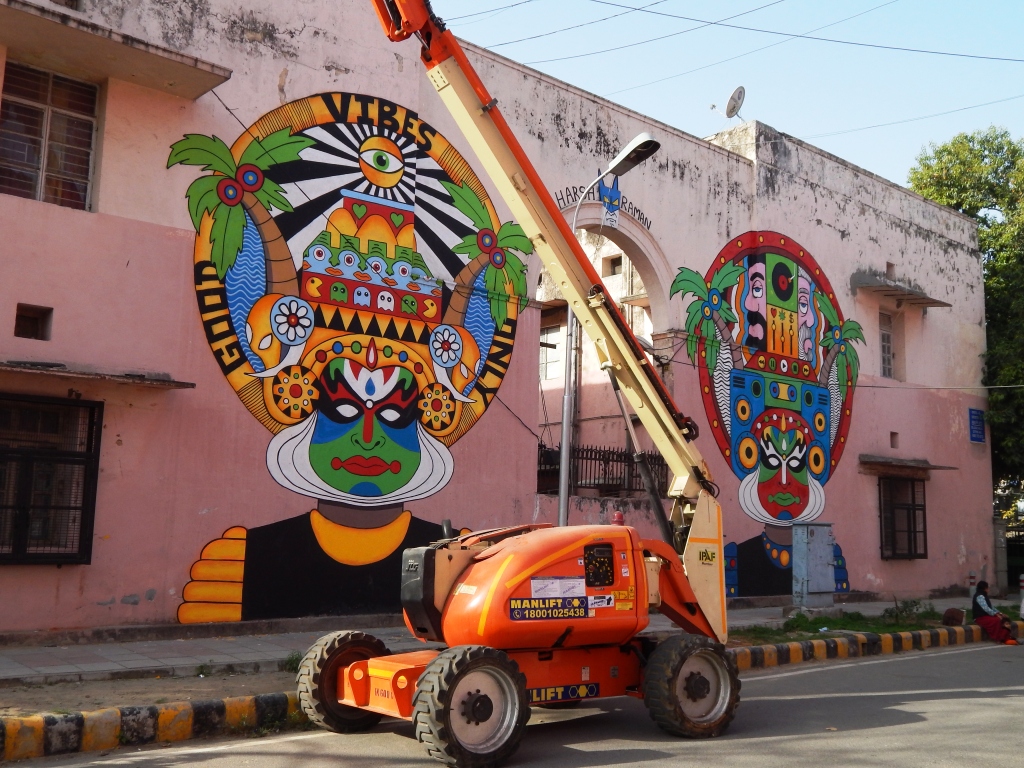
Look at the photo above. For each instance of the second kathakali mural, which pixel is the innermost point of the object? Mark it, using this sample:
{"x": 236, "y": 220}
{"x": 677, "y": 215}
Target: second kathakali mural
{"x": 778, "y": 369}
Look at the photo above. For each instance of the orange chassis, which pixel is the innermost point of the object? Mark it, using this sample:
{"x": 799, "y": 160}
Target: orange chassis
{"x": 606, "y": 658}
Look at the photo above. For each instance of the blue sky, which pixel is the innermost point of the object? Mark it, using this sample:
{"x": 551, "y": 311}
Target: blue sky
{"x": 806, "y": 88}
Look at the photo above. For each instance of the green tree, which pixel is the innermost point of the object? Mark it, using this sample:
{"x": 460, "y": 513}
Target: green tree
{"x": 982, "y": 175}
{"x": 839, "y": 343}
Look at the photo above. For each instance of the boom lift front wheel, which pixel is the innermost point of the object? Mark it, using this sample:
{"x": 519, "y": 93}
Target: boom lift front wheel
{"x": 318, "y": 680}
{"x": 470, "y": 707}
{"x": 691, "y": 688}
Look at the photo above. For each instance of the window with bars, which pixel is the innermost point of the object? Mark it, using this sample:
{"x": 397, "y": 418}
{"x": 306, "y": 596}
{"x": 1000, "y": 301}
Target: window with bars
{"x": 551, "y": 365}
{"x": 47, "y": 128}
{"x": 885, "y": 337}
{"x": 49, "y": 463}
{"x": 904, "y": 527}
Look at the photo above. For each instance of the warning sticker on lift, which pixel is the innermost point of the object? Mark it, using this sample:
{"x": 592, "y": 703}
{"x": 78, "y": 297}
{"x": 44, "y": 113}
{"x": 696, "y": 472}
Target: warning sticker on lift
{"x": 520, "y": 609}
{"x": 563, "y": 693}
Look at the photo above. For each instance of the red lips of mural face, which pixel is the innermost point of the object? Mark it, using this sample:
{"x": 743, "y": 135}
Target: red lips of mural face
{"x": 369, "y": 466}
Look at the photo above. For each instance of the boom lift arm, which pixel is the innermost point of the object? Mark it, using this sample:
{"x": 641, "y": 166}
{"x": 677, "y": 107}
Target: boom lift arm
{"x": 505, "y": 162}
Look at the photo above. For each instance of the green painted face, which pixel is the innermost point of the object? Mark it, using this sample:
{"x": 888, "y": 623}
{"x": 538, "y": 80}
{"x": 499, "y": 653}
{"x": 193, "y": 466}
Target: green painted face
{"x": 365, "y": 440}
{"x": 782, "y": 484}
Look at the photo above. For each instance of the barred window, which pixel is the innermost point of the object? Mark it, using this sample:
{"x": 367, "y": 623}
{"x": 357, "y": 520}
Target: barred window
{"x": 49, "y": 462}
{"x": 904, "y": 529}
{"x": 47, "y": 124}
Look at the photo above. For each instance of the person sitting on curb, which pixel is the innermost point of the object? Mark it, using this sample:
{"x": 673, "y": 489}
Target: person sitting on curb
{"x": 995, "y": 624}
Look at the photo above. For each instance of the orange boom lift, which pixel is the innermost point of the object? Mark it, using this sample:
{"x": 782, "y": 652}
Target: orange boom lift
{"x": 536, "y": 615}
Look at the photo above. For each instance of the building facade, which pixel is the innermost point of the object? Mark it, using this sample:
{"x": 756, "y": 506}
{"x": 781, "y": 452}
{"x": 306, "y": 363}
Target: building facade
{"x": 267, "y": 325}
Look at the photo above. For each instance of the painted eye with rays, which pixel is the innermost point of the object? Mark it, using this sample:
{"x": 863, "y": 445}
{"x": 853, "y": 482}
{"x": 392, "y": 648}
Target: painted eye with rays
{"x": 318, "y": 252}
{"x": 382, "y": 161}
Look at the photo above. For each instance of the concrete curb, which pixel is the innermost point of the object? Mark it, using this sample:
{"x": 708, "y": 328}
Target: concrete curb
{"x": 190, "y": 670}
{"x": 856, "y": 644}
{"x": 106, "y": 729}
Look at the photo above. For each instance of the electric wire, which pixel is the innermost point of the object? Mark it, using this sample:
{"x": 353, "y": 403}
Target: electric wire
{"x": 914, "y": 119}
{"x": 492, "y": 10}
{"x": 748, "y": 53}
{"x": 574, "y": 26}
{"x": 859, "y": 44}
{"x": 701, "y": 25}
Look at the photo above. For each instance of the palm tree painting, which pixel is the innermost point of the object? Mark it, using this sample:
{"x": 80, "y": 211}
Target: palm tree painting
{"x": 235, "y": 188}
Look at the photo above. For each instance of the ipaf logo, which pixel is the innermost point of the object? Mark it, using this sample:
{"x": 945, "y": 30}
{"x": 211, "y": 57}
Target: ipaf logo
{"x": 707, "y": 556}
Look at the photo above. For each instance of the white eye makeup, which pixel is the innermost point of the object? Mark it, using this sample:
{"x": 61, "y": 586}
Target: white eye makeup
{"x": 389, "y": 414}
{"x": 347, "y": 411}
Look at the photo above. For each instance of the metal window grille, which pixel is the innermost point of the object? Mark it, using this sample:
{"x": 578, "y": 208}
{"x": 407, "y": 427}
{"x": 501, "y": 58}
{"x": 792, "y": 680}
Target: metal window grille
{"x": 47, "y": 130}
{"x": 885, "y": 335}
{"x": 608, "y": 471}
{"x": 49, "y": 463}
{"x": 904, "y": 530}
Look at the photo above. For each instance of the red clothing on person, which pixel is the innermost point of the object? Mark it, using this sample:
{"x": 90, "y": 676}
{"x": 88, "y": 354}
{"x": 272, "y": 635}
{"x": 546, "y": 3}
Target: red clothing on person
{"x": 993, "y": 627}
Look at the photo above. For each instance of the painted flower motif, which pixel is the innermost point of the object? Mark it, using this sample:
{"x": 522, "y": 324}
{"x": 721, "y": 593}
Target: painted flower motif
{"x": 292, "y": 321}
{"x": 445, "y": 346}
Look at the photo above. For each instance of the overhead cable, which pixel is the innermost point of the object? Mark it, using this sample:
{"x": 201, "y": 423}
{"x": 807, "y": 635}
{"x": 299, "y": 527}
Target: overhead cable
{"x": 878, "y": 46}
{"x": 748, "y": 53}
{"x": 574, "y": 26}
{"x": 492, "y": 10}
{"x": 701, "y": 25}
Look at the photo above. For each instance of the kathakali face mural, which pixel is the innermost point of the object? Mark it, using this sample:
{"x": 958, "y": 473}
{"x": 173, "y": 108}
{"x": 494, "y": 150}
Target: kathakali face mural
{"x": 778, "y": 368}
{"x": 360, "y": 295}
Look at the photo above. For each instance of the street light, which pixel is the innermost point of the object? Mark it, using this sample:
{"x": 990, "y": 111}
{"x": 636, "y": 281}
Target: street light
{"x": 634, "y": 153}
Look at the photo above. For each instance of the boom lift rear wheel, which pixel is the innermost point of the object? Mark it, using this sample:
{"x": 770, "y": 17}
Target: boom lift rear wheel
{"x": 318, "y": 680}
{"x": 691, "y": 688}
{"x": 470, "y": 707}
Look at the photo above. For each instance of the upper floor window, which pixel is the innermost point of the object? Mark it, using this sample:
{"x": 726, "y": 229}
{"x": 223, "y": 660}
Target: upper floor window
{"x": 885, "y": 337}
{"x": 550, "y": 352}
{"x": 47, "y": 128}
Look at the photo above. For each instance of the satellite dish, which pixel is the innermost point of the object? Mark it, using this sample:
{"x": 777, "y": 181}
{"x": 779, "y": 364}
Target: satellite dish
{"x": 735, "y": 102}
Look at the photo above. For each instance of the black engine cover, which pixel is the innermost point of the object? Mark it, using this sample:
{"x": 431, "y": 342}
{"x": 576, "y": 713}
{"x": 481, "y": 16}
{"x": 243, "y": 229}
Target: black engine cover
{"x": 418, "y": 593}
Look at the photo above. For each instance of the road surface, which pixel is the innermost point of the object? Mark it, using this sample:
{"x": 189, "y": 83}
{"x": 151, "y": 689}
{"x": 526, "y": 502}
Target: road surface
{"x": 949, "y": 707}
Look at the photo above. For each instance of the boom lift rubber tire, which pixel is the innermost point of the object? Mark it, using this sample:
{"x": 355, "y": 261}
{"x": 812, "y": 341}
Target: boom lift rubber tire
{"x": 318, "y": 680}
{"x": 691, "y": 687}
{"x": 463, "y": 683}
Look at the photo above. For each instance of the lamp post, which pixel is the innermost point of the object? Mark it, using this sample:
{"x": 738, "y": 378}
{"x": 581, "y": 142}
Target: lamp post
{"x": 634, "y": 153}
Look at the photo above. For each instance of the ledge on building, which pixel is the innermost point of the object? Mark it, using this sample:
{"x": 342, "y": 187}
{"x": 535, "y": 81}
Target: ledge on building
{"x": 60, "y": 370}
{"x": 892, "y": 466}
{"x": 636, "y": 300}
{"x": 64, "y": 43}
{"x": 893, "y": 289}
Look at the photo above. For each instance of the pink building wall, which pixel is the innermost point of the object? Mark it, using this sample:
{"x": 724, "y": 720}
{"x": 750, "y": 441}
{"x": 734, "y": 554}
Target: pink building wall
{"x": 179, "y": 467}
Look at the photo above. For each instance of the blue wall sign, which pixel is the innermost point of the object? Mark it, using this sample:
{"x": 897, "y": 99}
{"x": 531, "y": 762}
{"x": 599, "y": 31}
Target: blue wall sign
{"x": 976, "y": 417}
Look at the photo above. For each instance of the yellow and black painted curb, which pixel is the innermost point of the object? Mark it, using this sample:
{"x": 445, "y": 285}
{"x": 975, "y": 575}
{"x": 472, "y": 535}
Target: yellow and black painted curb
{"x": 105, "y": 729}
{"x": 856, "y": 644}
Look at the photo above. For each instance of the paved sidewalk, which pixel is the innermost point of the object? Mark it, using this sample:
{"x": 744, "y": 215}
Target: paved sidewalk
{"x": 256, "y": 653}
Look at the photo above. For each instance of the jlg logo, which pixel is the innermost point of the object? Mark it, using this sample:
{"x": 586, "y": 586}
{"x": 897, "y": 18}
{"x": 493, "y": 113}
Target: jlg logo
{"x": 707, "y": 557}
